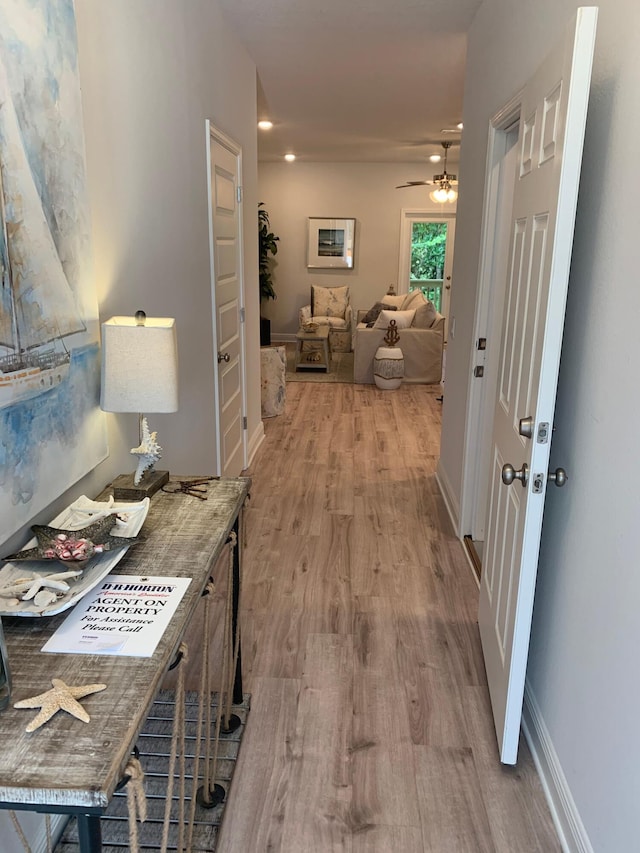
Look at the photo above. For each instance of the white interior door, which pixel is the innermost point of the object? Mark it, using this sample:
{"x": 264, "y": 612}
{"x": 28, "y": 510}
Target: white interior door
{"x": 553, "y": 115}
{"x": 225, "y": 225}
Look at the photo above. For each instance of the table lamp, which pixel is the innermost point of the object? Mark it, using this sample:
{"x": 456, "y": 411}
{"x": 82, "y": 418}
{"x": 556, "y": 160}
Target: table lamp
{"x": 140, "y": 374}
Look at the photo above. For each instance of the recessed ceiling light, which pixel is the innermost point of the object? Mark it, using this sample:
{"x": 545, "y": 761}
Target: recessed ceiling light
{"x": 289, "y": 157}
{"x": 265, "y": 124}
{"x": 435, "y": 158}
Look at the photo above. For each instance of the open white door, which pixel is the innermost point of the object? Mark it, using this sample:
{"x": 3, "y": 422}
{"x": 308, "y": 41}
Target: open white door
{"x": 552, "y": 122}
{"x": 225, "y": 234}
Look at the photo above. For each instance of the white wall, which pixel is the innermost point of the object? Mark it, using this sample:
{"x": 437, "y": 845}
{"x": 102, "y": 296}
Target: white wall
{"x": 363, "y": 191}
{"x": 586, "y": 630}
{"x": 151, "y": 72}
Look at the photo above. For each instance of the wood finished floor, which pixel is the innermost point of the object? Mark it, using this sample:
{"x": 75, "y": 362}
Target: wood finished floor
{"x": 370, "y": 727}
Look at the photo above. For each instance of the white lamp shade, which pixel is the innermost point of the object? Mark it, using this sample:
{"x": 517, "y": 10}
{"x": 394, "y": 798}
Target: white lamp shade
{"x": 139, "y": 365}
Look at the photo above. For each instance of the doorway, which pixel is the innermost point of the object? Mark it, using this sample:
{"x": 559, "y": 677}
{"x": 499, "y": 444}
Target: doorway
{"x": 501, "y": 180}
{"x": 224, "y": 167}
{"x": 426, "y": 257}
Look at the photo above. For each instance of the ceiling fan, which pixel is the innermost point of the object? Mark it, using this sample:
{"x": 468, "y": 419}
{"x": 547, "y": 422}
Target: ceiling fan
{"x": 443, "y": 183}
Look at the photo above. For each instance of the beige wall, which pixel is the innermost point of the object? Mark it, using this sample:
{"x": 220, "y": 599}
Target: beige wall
{"x": 363, "y": 191}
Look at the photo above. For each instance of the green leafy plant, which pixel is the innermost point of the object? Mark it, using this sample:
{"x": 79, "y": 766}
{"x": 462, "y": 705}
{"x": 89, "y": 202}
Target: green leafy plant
{"x": 428, "y": 246}
{"x": 267, "y": 247}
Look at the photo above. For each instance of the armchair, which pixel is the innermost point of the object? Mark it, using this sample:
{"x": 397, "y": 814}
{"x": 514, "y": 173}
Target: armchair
{"x": 330, "y": 306}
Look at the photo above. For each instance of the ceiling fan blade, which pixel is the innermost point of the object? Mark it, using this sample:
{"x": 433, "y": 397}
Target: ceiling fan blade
{"x": 414, "y": 184}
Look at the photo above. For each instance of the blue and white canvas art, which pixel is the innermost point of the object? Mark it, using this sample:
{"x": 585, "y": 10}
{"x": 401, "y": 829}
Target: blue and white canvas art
{"x": 52, "y": 431}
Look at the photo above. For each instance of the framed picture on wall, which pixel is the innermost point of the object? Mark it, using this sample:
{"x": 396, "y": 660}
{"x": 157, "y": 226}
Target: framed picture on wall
{"x": 331, "y": 243}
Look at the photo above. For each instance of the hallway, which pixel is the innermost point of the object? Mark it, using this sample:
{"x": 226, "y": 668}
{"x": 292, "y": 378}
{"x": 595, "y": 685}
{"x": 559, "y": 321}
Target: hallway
{"x": 370, "y": 727}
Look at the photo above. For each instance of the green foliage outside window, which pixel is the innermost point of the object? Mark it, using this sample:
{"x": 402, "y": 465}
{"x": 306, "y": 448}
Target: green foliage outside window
{"x": 428, "y": 246}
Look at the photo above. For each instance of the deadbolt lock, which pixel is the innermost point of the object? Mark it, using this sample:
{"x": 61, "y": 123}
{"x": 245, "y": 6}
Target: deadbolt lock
{"x": 525, "y": 427}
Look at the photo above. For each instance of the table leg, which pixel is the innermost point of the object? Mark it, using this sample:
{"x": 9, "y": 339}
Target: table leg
{"x": 89, "y": 833}
{"x": 327, "y": 354}
{"x": 235, "y": 606}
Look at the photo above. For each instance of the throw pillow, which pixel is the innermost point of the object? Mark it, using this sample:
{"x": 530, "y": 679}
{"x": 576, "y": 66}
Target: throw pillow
{"x": 329, "y": 301}
{"x": 396, "y": 300}
{"x": 425, "y": 315}
{"x": 413, "y": 299}
{"x": 373, "y": 313}
{"x": 403, "y": 319}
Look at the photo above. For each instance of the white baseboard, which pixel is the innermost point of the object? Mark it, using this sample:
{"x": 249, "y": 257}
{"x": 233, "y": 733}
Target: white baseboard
{"x": 283, "y": 337}
{"x": 255, "y": 441}
{"x": 450, "y": 500}
{"x": 571, "y": 831}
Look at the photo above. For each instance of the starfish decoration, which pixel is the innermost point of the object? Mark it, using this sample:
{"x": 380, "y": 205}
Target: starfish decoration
{"x": 96, "y": 538}
{"x": 148, "y": 452}
{"x": 32, "y": 586}
{"x": 60, "y": 698}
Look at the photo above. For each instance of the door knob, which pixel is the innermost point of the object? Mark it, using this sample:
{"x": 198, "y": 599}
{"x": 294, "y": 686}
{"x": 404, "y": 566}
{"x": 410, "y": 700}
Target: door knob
{"x": 223, "y": 356}
{"x": 509, "y": 474}
{"x": 559, "y": 477}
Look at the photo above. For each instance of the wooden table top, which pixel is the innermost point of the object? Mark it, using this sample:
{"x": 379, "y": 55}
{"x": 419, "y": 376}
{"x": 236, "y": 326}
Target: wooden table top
{"x": 69, "y": 764}
{"x": 319, "y": 334}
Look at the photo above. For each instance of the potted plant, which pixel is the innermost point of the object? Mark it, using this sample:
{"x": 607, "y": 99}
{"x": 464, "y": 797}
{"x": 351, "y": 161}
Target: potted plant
{"x": 267, "y": 248}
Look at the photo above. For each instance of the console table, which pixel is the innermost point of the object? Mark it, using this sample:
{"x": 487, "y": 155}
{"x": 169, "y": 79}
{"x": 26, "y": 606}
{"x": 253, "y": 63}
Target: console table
{"x": 71, "y": 767}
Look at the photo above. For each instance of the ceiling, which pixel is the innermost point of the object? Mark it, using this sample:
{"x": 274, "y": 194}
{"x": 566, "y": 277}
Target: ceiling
{"x": 355, "y": 80}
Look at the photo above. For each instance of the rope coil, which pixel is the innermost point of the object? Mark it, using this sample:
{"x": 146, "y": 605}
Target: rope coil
{"x": 136, "y": 801}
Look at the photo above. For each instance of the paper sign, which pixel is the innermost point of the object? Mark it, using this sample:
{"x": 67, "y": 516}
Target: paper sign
{"x": 125, "y": 615}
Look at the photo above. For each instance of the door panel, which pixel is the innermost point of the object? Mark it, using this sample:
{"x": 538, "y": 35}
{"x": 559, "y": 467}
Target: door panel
{"x": 545, "y": 196}
{"x": 226, "y": 240}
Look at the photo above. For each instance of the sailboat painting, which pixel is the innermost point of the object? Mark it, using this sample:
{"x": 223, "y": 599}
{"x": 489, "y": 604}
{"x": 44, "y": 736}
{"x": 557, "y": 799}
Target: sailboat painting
{"x": 52, "y": 431}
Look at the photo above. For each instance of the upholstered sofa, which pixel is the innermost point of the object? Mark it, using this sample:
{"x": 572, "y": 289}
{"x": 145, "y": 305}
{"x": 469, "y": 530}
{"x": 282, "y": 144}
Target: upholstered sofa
{"x": 422, "y": 345}
{"x": 330, "y": 306}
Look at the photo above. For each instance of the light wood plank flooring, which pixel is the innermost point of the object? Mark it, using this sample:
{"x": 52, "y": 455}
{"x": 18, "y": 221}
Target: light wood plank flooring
{"x": 370, "y": 727}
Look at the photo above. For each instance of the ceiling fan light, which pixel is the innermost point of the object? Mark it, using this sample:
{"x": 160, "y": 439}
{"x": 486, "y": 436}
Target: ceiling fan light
{"x": 442, "y": 195}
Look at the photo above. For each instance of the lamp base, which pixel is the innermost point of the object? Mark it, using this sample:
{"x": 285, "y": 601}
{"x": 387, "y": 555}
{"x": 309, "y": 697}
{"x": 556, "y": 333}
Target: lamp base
{"x": 124, "y": 489}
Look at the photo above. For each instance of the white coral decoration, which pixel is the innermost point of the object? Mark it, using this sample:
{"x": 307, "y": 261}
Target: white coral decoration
{"x": 148, "y": 453}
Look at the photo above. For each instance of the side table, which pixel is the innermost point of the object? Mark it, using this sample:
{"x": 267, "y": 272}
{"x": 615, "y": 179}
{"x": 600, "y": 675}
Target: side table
{"x": 313, "y": 357}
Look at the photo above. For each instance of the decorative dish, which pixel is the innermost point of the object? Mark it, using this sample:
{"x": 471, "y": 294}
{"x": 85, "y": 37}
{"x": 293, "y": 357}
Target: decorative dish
{"x": 51, "y": 583}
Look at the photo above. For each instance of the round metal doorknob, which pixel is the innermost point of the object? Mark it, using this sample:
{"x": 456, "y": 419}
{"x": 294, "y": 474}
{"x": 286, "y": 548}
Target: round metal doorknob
{"x": 509, "y": 474}
{"x": 559, "y": 477}
{"x": 223, "y": 356}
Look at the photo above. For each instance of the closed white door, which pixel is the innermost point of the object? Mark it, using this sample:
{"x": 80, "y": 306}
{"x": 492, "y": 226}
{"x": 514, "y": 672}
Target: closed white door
{"x": 225, "y": 173}
{"x": 553, "y": 114}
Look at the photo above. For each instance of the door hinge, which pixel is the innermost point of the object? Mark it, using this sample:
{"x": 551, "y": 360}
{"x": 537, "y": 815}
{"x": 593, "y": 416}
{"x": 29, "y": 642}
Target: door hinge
{"x": 239, "y": 194}
{"x": 244, "y": 423}
{"x": 478, "y": 371}
{"x": 242, "y": 315}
